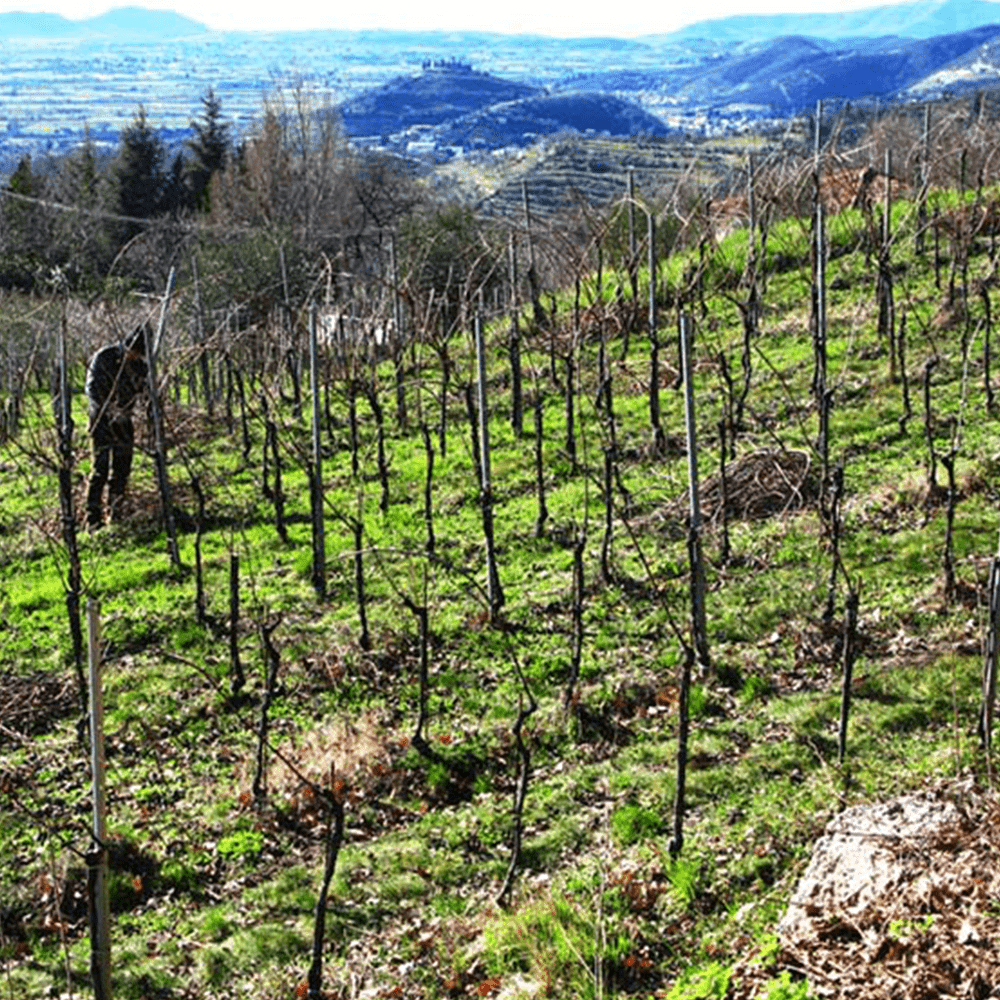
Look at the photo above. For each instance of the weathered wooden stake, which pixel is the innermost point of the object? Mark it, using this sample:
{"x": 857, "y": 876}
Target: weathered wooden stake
{"x": 152, "y": 350}
{"x": 850, "y": 646}
{"x": 543, "y": 510}
{"x": 74, "y": 576}
{"x": 989, "y": 690}
{"x": 659, "y": 438}
{"x": 97, "y": 858}
{"x": 237, "y": 679}
{"x": 316, "y": 469}
{"x": 987, "y": 346}
{"x": 428, "y": 488}
{"x": 397, "y": 344}
{"x": 609, "y": 508}
{"x": 199, "y": 312}
{"x": 699, "y": 627}
{"x": 932, "y": 483}
{"x": 494, "y": 590}
{"x": 359, "y": 582}
{"x": 278, "y": 491}
{"x": 199, "y": 582}
{"x": 683, "y": 729}
{"x": 516, "y": 388}
{"x": 903, "y": 377}
{"x": 576, "y": 656}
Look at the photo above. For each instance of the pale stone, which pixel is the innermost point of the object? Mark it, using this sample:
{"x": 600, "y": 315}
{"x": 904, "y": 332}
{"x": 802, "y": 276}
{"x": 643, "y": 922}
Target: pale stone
{"x": 854, "y": 864}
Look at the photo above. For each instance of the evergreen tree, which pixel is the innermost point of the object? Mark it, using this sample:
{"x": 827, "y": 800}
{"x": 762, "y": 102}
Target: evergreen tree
{"x": 209, "y": 150}
{"x": 24, "y": 228}
{"x": 80, "y": 176}
{"x": 84, "y": 236}
{"x": 175, "y": 193}
{"x": 139, "y": 173}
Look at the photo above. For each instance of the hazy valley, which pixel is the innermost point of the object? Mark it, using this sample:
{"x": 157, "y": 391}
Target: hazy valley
{"x": 63, "y": 80}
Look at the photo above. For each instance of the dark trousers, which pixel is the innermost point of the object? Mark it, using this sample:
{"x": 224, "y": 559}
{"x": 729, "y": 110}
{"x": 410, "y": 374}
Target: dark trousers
{"x": 113, "y": 442}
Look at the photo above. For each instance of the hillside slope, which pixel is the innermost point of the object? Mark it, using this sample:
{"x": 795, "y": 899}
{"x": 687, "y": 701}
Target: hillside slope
{"x": 789, "y": 74}
{"x": 429, "y": 98}
{"x": 520, "y": 123}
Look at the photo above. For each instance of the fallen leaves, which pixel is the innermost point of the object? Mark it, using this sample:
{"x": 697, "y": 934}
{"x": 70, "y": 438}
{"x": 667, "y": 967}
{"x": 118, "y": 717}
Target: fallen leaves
{"x": 929, "y": 935}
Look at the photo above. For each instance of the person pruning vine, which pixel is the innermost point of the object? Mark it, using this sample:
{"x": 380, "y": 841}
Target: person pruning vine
{"x": 116, "y": 376}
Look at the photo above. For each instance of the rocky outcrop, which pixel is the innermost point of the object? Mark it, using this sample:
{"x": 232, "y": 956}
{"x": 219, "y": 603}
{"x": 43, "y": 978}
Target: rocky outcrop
{"x": 899, "y": 900}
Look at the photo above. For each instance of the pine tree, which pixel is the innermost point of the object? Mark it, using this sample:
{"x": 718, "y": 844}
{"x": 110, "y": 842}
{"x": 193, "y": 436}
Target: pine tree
{"x": 209, "y": 150}
{"x": 139, "y": 172}
{"x": 84, "y": 237}
{"x": 24, "y": 228}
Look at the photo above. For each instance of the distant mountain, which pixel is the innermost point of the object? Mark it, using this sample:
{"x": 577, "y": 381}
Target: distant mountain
{"x": 131, "y": 22}
{"x": 916, "y": 19}
{"x": 140, "y": 21}
{"x": 19, "y": 24}
{"x": 792, "y": 73}
{"x": 974, "y": 70}
{"x": 789, "y": 74}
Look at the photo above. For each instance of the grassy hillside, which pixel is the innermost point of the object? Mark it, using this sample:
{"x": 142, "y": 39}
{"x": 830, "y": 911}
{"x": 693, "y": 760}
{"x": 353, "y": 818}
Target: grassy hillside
{"x": 213, "y": 887}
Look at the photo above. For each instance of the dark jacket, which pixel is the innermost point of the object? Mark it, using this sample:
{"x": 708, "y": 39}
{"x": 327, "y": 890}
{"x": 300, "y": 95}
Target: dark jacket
{"x": 114, "y": 380}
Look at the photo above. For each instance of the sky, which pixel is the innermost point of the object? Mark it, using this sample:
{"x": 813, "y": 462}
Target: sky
{"x": 549, "y": 17}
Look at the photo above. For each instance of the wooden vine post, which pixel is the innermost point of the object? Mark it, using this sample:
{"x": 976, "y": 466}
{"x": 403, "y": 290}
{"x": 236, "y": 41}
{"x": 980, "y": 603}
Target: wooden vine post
{"x": 850, "y": 649}
{"x": 493, "y": 588}
{"x": 152, "y": 352}
{"x": 884, "y": 291}
{"x": 820, "y": 391}
{"x": 199, "y": 313}
{"x": 659, "y": 438}
{"x": 199, "y": 579}
{"x": 683, "y": 729}
{"x": 990, "y": 667}
{"x": 750, "y": 310}
{"x": 357, "y": 529}
{"x": 237, "y": 679}
{"x": 397, "y": 342}
{"x": 919, "y": 242}
{"x": 74, "y": 572}
{"x": 429, "y": 545}
{"x": 699, "y": 628}
{"x": 516, "y": 378}
{"x": 316, "y": 472}
{"x": 633, "y": 252}
{"x": 536, "y": 302}
{"x": 543, "y": 510}
{"x": 97, "y": 858}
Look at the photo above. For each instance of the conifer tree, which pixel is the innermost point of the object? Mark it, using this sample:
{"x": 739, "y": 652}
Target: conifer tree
{"x": 139, "y": 174}
{"x": 84, "y": 239}
{"x": 23, "y": 227}
{"x": 209, "y": 149}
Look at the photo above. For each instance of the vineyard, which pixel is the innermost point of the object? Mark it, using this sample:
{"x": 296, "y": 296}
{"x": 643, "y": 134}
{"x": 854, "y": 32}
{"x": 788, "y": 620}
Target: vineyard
{"x": 505, "y": 610}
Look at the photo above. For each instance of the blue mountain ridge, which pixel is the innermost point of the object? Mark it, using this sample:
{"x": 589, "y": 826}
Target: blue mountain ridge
{"x": 128, "y": 21}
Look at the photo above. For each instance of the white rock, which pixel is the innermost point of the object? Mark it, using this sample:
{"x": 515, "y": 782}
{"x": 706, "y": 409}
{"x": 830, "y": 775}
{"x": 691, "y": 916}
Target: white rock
{"x": 853, "y": 864}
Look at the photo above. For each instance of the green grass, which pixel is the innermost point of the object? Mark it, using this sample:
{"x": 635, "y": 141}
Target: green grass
{"x": 226, "y": 886}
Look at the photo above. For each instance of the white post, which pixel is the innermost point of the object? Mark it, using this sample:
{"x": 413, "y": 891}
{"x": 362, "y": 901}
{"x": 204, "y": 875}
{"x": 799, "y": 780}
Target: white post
{"x": 100, "y": 916}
